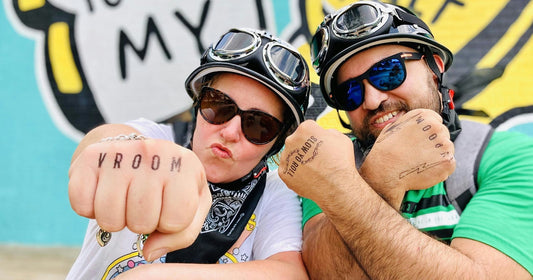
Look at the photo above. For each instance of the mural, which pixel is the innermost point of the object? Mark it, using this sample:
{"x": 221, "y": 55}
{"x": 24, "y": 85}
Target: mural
{"x": 68, "y": 66}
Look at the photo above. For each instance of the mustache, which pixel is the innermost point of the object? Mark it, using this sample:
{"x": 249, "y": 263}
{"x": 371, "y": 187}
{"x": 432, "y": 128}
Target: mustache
{"x": 384, "y": 107}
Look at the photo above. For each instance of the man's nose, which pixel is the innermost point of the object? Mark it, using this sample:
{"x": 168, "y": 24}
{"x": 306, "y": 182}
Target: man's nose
{"x": 373, "y": 96}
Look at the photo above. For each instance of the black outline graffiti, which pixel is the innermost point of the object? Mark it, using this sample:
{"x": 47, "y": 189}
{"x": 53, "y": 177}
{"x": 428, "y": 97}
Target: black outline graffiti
{"x": 197, "y": 31}
{"x": 124, "y": 41}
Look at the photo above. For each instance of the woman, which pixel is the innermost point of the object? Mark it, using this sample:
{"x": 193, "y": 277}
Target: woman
{"x": 250, "y": 92}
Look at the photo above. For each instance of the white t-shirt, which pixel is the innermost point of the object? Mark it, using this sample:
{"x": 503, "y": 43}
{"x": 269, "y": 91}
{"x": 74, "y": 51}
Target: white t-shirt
{"x": 274, "y": 227}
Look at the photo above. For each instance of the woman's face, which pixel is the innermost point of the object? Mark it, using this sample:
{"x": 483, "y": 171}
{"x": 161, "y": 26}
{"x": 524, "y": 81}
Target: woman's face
{"x": 223, "y": 150}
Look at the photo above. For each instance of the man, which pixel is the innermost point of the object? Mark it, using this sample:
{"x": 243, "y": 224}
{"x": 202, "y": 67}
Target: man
{"x": 387, "y": 214}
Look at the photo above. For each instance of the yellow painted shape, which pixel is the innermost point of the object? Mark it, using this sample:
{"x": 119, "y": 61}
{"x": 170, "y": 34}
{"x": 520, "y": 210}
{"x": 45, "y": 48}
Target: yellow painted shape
{"x": 510, "y": 38}
{"x": 331, "y": 120}
{"x": 28, "y": 5}
{"x": 512, "y": 89}
{"x": 456, "y": 25}
{"x": 314, "y": 14}
{"x": 64, "y": 69}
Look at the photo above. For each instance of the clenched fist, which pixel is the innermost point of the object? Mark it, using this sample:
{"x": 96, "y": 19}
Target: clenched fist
{"x": 150, "y": 186}
{"x": 316, "y": 161}
{"x": 414, "y": 152}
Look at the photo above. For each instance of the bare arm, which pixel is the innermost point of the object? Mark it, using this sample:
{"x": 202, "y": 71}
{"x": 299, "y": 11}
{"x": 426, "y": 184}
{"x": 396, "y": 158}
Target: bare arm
{"x": 325, "y": 253}
{"x": 366, "y": 218}
{"x": 285, "y": 265}
{"x": 390, "y": 248}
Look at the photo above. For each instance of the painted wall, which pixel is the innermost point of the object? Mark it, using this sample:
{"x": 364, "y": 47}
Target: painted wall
{"x": 67, "y": 66}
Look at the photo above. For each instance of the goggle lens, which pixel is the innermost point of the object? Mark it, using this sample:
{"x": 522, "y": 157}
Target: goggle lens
{"x": 286, "y": 66}
{"x": 217, "y": 108}
{"x": 287, "y": 63}
{"x": 357, "y": 17}
{"x": 385, "y": 75}
{"x": 234, "y": 44}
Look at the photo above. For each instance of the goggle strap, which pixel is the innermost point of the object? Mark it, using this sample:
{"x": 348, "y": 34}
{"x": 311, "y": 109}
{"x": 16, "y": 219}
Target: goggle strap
{"x": 343, "y": 123}
{"x": 432, "y": 64}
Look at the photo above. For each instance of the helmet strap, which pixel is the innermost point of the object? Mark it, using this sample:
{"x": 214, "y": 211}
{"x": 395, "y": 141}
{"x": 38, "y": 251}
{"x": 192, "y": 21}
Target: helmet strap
{"x": 449, "y": 116}
{"x": 343, "y": 123}
{"x": 447, "y": 94}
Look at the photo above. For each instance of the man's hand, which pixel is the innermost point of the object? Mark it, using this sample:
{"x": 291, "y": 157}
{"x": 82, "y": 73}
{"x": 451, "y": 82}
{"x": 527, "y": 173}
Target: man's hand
{"x": 415, "y": 152}
{"x": 315, "y": 161}
{"x": 150, "y": 186}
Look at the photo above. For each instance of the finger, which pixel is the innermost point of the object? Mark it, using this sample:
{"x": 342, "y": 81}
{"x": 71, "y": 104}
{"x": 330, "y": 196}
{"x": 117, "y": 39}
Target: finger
{"x": 110, "y": 198}
{"x": 82, "y": 189}
{"x": 180, "y": 202}
{"x": 143, "y": 203}
{"x": 159, "y": 243}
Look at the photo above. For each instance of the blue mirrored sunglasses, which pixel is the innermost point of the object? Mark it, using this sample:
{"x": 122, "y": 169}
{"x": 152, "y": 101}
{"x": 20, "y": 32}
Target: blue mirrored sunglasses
{"x": 385, "y": 75}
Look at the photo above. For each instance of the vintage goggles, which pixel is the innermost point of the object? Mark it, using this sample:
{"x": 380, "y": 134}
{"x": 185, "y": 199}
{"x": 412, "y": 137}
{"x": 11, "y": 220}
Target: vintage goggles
{"x": 358, "y": 21}
{"x": 385, "y": 75}
{"x": 284, "y": 64}
{"x": 217, "y": 108}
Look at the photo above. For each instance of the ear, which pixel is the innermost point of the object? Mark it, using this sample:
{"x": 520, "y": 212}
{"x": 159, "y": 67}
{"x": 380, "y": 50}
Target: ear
{"x": 439, "y": 61}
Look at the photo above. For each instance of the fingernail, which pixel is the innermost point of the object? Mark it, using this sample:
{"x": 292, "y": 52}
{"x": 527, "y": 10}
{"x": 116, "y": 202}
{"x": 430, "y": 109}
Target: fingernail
{"x": 157, "y": 253}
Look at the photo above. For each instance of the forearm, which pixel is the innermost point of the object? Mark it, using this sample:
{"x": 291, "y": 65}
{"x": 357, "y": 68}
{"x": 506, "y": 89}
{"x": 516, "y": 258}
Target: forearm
{"x": 100, "y": 132}
{"x": 263, "y": 269}
{"x": 386, "y": 245}
{"x": 325, "y": 253}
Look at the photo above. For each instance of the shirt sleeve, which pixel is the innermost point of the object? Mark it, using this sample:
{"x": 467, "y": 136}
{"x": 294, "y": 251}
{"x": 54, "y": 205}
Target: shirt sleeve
{"x": 309, "y": 209}
{"x": 501, "y": 212}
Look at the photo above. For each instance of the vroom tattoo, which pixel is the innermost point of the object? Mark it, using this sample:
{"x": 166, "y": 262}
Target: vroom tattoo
{"x": 155, "y": 162}
{"x": 301, "y": 156}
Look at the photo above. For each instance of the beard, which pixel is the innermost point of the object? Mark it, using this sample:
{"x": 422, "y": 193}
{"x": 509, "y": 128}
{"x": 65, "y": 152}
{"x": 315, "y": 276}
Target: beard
{"x": 367, "y": 136}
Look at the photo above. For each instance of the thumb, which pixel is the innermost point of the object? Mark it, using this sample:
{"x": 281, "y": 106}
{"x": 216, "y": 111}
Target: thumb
{"x": 159, "y": 243}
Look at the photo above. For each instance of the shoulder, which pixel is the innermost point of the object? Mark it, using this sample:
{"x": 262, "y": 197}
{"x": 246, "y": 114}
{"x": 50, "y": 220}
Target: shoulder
{"x": 508, "y": 146}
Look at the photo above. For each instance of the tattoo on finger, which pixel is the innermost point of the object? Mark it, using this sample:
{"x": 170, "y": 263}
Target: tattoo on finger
{"x": 154, "y": 162}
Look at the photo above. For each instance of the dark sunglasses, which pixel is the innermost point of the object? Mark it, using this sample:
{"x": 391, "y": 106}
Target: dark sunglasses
{"x": 217, "y": 108}
{"x": 385, "y": 75}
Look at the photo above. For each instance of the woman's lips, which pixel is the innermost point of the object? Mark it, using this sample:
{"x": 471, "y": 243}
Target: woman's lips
{"x": 221, "y": 151}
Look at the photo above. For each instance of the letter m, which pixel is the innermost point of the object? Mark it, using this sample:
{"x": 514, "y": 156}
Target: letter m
{"x": 125, "y": 41}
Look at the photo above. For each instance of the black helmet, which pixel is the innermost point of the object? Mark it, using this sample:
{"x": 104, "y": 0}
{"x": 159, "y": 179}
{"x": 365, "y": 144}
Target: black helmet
{"x": 363, "y": 25}
{"x": 262, "y": 57}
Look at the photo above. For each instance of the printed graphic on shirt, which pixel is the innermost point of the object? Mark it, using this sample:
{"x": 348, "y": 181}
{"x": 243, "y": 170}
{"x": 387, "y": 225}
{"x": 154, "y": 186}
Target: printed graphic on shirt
{"x": 127, "y": 262}
{"x": 235, "y": 254}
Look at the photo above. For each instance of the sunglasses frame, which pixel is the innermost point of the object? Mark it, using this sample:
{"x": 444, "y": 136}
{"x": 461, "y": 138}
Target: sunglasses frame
{"x": 240, "y": 113}
{"x": 402, "y": 57}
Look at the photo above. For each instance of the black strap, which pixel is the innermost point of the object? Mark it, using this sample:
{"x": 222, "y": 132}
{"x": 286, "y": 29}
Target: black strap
{"x": 224, "y": 224}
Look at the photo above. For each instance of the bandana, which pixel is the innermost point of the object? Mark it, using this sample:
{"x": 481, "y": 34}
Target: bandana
{"x": 232, "y": 207}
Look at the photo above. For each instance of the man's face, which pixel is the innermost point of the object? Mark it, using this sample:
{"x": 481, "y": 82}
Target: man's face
{"x": 380, "y": 108}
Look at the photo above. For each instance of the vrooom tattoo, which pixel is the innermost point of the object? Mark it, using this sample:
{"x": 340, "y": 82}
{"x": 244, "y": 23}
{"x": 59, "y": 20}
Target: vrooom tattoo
{"x": 296, "y": 157}
{"x": 155, "y": 164}
{"x": 423, "y": 166}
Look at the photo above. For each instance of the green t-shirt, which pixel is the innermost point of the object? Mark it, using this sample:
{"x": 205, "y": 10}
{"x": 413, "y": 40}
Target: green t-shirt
{"x": 501, "y": 212}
